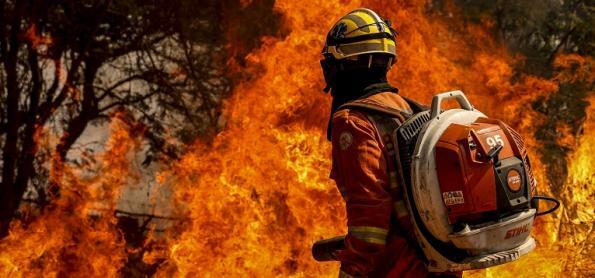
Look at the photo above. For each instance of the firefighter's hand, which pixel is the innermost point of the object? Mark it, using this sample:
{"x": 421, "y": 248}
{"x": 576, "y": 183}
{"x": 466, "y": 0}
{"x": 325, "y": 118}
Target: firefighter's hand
{"x": 325, "y": 250}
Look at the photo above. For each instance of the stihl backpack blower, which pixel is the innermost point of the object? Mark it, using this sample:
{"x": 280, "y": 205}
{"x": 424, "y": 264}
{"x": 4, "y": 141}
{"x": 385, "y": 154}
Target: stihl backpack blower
{"x": 468, "y": 186}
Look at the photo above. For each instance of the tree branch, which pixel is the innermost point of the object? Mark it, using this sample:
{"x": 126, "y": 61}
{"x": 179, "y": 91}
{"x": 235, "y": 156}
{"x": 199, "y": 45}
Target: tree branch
{"x": 89, "y": 110}
{"x": 563, "y": 40}
{"x": 127, "y": 101}
{"x": 118, "y": 84}
{"x": 51, "y": 105}
{"x": 135, "y": 214}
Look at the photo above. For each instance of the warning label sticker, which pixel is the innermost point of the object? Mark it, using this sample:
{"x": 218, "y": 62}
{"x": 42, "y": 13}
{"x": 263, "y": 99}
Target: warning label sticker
{"x": 453, "y": 198}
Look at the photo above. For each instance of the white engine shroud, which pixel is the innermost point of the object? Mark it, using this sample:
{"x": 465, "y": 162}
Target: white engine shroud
{"x": 484, "y": 245}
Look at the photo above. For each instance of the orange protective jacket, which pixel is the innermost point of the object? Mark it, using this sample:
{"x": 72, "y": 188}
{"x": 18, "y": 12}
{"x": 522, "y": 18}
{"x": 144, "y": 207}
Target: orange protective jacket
{"x": 380, "y": 241}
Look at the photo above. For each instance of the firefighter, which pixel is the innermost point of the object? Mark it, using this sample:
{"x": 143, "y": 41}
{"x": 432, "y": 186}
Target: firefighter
{"x": 359, "y": 51}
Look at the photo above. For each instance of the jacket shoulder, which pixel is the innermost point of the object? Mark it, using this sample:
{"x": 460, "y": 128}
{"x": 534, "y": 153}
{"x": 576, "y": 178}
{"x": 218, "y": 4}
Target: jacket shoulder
{"x": 348, "y": 116}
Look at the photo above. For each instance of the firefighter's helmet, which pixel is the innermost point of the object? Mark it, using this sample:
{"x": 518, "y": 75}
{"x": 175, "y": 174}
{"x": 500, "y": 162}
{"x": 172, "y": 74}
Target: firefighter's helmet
{"x": 360, "y": 39}
{"x": 359, "y": 32}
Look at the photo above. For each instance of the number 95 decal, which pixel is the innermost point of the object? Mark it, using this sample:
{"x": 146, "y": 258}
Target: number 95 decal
{"x": 495, "y": 140}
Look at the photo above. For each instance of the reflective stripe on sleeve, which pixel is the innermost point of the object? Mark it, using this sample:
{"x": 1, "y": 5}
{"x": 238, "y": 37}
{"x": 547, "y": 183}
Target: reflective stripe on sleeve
{"x": 369, "y": 234}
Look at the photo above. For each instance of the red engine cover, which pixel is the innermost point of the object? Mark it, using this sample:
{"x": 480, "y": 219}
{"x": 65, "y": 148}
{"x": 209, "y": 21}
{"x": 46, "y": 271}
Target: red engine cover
{"x": 466, "y": 175}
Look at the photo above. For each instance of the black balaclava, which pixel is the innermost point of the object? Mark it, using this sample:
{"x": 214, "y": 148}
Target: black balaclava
{"x": 351, "y": 85}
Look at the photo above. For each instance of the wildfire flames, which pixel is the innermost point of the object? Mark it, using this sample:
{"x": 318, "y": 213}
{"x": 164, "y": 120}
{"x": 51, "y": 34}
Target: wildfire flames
{"x": 259, "y": 195}
{"x": 76, "y": 235}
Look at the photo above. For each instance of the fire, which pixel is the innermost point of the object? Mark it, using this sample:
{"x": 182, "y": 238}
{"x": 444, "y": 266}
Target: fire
{"x": 39, "y": 42}
{"x": 258, "y": 195}
{"x": 76, "y": 234}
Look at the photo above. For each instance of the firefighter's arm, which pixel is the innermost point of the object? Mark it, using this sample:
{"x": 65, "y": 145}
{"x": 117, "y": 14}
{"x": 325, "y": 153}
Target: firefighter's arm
{"x": 360, "y": 173}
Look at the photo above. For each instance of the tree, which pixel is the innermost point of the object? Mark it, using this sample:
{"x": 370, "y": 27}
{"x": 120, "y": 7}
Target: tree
{"x": 538, "y": 29}
{"x": 66, "y": 64}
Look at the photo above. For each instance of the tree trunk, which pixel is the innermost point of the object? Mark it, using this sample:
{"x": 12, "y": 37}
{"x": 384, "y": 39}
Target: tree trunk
{"x": 29, "y": 147}
{"x": 89, "y": 111}
{"x": 9, "y": 202}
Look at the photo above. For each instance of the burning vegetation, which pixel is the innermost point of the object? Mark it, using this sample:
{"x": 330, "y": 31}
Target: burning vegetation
{"x": 251, "y": 195}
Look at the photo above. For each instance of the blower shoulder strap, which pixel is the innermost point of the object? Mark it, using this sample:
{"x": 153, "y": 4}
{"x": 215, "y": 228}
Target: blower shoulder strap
{"x": 367, "y": 106}
{"x": 387, "y": 120}
{"x": 416, "y": 107}
{"x": 371, "y": 106}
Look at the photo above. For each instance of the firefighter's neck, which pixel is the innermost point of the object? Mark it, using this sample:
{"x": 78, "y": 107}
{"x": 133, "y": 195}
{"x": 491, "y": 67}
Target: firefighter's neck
{"x": 351, "y": 85}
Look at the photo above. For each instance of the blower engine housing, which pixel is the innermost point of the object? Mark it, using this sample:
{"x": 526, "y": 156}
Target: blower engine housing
{"x": 468, "y": 185}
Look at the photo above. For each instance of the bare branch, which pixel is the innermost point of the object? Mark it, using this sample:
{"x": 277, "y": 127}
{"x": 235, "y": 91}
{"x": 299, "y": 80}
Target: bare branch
{"x": 128, "y": 101}
{"x": 118, "y": 84}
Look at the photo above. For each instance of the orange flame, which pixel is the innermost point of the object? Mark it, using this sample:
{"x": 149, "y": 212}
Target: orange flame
{"x": 38, "y": 42}
{"x": 259, "y": 195}
{"x": 75, "y": 235}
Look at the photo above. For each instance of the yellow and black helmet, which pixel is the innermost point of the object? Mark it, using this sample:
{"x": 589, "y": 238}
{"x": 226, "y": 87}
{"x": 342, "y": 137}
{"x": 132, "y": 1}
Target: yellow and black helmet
{"x": 360, "y": 32}
{"x": 359, "y": 40}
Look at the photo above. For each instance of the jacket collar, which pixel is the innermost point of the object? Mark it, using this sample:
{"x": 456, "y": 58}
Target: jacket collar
{"x": 378, "y": 88}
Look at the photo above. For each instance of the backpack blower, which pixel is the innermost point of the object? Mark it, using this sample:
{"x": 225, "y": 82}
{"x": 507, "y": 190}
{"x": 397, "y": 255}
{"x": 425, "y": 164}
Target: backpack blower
{"x": 468, "y": 186}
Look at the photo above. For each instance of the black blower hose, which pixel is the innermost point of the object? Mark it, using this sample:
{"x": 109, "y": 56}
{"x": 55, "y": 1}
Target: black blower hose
{"x": 549, "y": 199}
